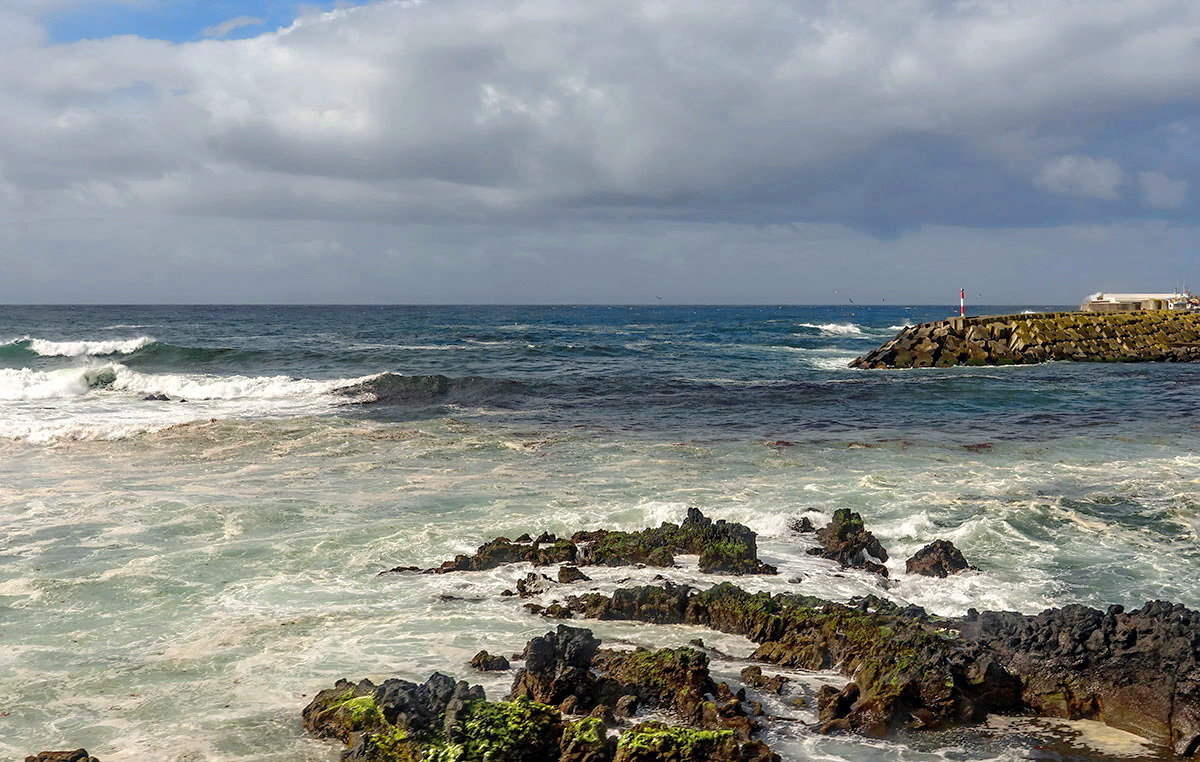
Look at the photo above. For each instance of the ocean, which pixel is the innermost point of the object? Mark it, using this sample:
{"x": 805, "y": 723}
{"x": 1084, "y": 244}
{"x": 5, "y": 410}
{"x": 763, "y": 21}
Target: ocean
{"x": 178, "y": 578}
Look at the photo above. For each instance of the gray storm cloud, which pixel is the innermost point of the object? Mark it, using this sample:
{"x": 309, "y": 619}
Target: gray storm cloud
{"x": 873, "y": 118}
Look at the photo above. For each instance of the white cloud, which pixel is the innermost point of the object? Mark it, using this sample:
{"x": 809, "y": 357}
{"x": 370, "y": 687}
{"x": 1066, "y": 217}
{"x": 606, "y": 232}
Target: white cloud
{"x": 1160, "y": 191}
{"x": 229, "y": 25}
{"x": 1083, "y": 176}
{"x": 533, "y": 106}
{"x": 883, "y": 117}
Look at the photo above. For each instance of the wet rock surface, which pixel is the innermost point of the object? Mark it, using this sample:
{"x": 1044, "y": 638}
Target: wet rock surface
{"x": 1138, "y": 671}
{"x": 753, "y": 676}
{"x": 78, "y": 755}
{"x": 908, "y": 671}
{"x": 723, "y": 548}
{"x": 570, "y": 574}
{"x": 486, "y": 662}
{"x": 533, "y": 584}
{"x": 566, "y": 674}
{"x": 802, "y": 525}
{"x": 938, "y": 559}
{"x": 846, "y": 540}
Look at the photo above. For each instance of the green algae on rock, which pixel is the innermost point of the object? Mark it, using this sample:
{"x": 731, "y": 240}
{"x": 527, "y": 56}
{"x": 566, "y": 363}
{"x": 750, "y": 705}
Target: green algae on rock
{"x": 566, "y": 673}
{"x": 1137, "y": 671}
{"x": 907, "y": 670}
{"x": 723, "y": 547}
{"x": 655, "y": 742}
{"x": 845, "y": 539}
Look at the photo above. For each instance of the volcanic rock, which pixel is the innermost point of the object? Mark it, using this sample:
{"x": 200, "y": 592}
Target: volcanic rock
{"x": 570, "y": 574}
{"x": 938, "y": 559}
{"x": 723, "y": 547}
{"x": 801, "y": 525}
{"x": 447, "y": 719}
{"x": 754, "y": 677}
{"x": 846, "y": 540}
{"x": 486, "y": 662}
{"x": 533, "y": 584}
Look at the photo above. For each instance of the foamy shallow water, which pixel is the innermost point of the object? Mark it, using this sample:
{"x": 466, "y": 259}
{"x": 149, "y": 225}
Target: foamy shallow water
{"x": 180, "y": 595}
{"x": 177, "y": 579}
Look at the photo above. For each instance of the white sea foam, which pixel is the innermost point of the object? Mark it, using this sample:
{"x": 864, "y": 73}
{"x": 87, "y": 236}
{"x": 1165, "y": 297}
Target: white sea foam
{"x": 825, "y": 362}
{"x": 48, "y": 348}
{"x": 836, "y": 329}
{"x": 28, "y": 384}
{"x": 106, "y": 401}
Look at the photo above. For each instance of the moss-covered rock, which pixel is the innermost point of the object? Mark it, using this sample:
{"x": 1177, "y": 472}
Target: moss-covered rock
{"x": 723, "y": 547}
{"x": 443, "y": 720}
{"x": 846, "y": 540}
{"x": 654, "y": 742}
{"x": 670, "y": 678}
{"x": 586, "y": 740}
{"x": 906, "y": 670}
{"x": 343, "y": 710}
{"x": 501, "y": 731}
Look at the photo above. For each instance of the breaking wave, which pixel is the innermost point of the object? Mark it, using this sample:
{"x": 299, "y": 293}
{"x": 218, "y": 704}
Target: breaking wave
{"x": 27, "y": 345}
{"x": 29, "y": 384}
{"x": 835, "y": 329}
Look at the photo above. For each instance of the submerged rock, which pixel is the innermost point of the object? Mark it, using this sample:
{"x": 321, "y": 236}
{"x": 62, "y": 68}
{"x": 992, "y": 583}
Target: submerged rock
{"x": 938, "y": 559}
{"x": 846, "y": 540}
{"x": 533, "y": 584}
{"x": 78, "y": 755}
{"x": 723, "y": 547}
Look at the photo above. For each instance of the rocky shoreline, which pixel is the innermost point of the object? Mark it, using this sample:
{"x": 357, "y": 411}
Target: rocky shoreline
{"x": 572, "y": 700}
{"x": 1154, "y": 336}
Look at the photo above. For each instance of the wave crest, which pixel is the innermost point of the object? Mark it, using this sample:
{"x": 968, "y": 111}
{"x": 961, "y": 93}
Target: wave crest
{"x": 47, "y": 348}
{"x": 835, "y": 329}
{"x": 393, "y": 388}
{"x": 28, "y": 384}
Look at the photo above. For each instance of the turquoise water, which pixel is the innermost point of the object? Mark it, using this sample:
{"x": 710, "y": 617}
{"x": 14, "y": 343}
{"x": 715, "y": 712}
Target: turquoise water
{"x": 176, "y": 578}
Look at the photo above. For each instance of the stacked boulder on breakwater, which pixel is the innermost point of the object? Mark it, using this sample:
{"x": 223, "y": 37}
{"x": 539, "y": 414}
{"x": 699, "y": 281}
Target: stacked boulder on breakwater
{"x": 1158, "y": 336}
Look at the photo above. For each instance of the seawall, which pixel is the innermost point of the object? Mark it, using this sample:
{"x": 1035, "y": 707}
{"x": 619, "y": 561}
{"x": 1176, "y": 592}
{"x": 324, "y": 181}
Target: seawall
{"x": 1157, "y": 336}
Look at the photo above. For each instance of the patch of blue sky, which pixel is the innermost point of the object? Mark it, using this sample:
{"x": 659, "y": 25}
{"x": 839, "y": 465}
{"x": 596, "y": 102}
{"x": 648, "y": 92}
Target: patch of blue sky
{"x": 177, "y": 20}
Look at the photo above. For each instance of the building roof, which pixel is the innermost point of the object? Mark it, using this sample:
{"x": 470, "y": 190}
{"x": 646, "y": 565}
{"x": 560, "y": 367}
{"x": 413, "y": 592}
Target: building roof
{"x": 1104, "y": 296}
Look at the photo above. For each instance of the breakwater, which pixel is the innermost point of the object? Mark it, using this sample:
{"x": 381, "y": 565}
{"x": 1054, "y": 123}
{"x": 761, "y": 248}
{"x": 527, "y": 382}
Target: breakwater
{"x": 1152, "y": 336}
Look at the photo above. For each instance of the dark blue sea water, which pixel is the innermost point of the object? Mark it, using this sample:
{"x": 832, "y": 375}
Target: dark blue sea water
{"x": 195, "y": 501}
{"x": 763, "y": 370}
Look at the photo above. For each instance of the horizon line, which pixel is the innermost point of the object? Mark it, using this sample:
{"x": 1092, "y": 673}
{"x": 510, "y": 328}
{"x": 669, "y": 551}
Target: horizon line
{"x": 899, "y": 305}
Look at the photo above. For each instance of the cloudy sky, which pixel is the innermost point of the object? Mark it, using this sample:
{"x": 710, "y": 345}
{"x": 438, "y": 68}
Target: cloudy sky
{"x": 773, "y": 151}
